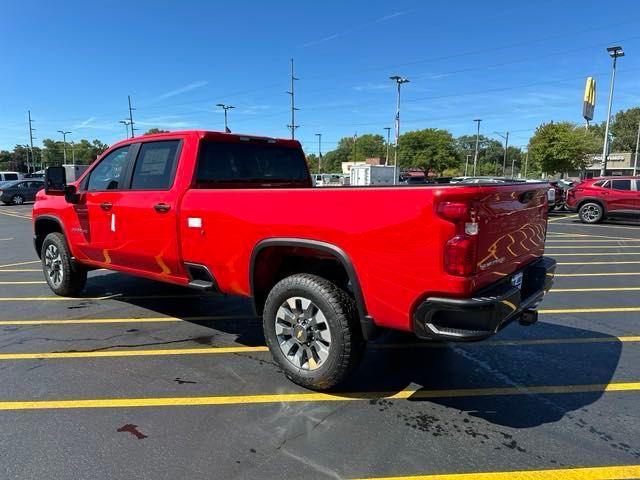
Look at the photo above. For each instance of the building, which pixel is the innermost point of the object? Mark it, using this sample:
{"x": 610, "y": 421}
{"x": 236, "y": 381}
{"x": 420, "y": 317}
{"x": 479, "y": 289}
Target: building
{"x": 618, "y": 164}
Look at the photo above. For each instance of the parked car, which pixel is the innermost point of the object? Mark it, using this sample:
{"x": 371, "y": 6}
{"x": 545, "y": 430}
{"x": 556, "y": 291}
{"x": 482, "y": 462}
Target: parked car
{"x": 326, "y": 268}
{"x": 9, "y": 176}
{"x": 20, "y": 191}
{"x": 598, "y": 198}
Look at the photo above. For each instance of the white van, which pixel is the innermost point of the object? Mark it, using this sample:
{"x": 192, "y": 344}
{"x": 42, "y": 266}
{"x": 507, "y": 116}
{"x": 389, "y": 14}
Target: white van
{"x": 8, "y": 176}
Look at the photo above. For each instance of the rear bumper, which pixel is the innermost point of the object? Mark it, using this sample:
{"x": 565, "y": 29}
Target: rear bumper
{"x": 492, "y": 308}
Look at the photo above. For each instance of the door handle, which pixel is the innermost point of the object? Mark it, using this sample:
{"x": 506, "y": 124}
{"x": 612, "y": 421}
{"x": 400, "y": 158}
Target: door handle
{"x": 162, "y": 207}
{"x": 106, "y": 205}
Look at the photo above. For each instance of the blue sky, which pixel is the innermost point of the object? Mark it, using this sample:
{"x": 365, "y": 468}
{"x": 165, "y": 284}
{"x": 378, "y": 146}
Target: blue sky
{"x": 513, "y": 64}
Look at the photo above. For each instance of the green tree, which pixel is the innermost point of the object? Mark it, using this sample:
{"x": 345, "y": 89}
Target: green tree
{"x": 312, "y": 162}
{"x": 561, "y": 147}
{"x": 430, "y": 150}
{"x": 624, "y": 130}
{"x": 151, "y": 131}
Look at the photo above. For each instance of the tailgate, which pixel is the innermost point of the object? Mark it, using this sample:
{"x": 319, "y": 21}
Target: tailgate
{"x": 512, "y": 228}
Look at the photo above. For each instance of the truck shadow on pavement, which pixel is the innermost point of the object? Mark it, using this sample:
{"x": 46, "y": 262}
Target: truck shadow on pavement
{"x": 396, "y": 362}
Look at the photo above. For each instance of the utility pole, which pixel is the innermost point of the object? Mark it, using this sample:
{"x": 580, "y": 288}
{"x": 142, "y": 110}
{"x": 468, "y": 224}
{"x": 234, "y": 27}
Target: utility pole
{"x": 126, "y": 127}
{"x": 225, "y": 108}
{"x": 131, "y": 117}
{"x": 526, "y": 163}
{"x": 466, "y": 165}
{"x": 319, "y": 135}
{"x": 293, "y": 125}
{"x": 386, "y": 161}
{"x": 504, "y": 160}
{"x": 396, "y": 171}
{"x": 614, "y": 53}
{"x": 355, "y": 148}
{"x": 475, "y": 156}
{"x": 64, "y": 144}
{"x": 31, "y": 137}
{"x": 635, "y": 163}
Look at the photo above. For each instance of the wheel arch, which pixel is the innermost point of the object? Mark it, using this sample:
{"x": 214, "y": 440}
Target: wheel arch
{"x": 258, "y": 293}
{"x": 43, "y": 226}
{"x": 597, "y": 200}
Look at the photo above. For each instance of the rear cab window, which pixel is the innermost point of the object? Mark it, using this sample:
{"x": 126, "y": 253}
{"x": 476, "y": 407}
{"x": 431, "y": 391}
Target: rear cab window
{"x": 254, "y": 164}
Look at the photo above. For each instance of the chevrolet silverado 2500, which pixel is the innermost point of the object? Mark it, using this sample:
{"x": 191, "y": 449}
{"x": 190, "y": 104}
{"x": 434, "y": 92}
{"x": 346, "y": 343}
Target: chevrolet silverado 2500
{"x": 326, "y": 268}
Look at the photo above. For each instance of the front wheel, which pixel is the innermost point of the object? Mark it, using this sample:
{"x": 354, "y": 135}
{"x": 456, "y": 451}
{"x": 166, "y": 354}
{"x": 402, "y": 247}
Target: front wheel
{"x": 312, "y": 330}
{"x": 591, "y": 212}
{"x": 63, "y": 275}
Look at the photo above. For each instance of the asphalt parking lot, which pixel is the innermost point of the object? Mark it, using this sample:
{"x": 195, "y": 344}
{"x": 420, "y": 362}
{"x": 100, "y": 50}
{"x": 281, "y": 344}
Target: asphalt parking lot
{"x": 143, "y": 380}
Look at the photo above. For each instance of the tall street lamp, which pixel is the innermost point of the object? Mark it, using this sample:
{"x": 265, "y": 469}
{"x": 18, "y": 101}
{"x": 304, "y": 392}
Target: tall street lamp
{"x": 614, "y": 53}
{"x": 475, "y": 156}
{"x": 504, "y": 160}
{"x": 64, "y": 143}
{"x": 126, "y": 127}
{"x": 319, "y": 135}
{"x": 225, "y": 108}
{"x": 399, "y": 81}
{"x": 386, "y": 160}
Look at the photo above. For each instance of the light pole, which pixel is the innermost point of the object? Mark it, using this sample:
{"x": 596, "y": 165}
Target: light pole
{"x": 386, "y": 160}
{"x": 225, "y": 108}
{"x": 635, "y": 163}
{"x": 614, "y": 53}
{"x": 396, "y": 172}
{"x": 504, "y": 160}
{"x": 526, "y": 162}
{"x": 466, "y": 165}
{"x": 319, "y": 135}
{"x": 64, "y": 143}
{"x": 475, "y": 156}
{"x": 126, "y": 127}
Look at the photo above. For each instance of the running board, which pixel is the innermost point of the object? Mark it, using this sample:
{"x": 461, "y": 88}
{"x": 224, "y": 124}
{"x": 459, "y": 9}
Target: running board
{"x": 201, "y": 277}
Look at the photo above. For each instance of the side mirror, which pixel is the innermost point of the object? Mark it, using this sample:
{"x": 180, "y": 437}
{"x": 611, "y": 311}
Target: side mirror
{"x": 55, "y": 180}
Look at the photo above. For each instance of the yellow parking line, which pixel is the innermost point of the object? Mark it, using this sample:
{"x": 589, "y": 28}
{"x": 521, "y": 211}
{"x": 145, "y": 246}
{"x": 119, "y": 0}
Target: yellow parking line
{"x": 14, "y": 215}
{"x": 621, "y": 472}
{"x": 597, "y": 289}
{"x": 116, "y": 296}
{"x": 603, "y": 274}
{"x": 414, "y": 394}
{"x": 34, "y": 282}
{"x": 637, "y": 229}
{"x": 564, "y": 234}
{"x": 553, "y": 311}
{"x": 19, "y": 263}
{"x": 593, "y": 263}
{"x": 591, "y": 246}
{"x": 591, "y": 254}
{"x": 561, "y": 218}
{"x": 263, "y": 348}
{"x": 596, "y": 240}
{"x": 89, "y": 321}
{"x": 17, "y": 270}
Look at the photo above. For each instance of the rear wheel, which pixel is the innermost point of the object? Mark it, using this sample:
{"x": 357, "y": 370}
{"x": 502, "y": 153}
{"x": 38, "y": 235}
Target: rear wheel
{"x": 17, "y": 200}
{"x": 591, "y": 212}
{"x": 63, "y": 275}
{"x": 312, "y": 330}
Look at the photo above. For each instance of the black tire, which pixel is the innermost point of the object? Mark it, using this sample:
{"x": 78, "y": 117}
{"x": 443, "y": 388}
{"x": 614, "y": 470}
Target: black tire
{"x": 591, "y": 212}
{"x": 72, "y": 277}
{"x": 17, "y": 200}
{"x": 340, "y": 317}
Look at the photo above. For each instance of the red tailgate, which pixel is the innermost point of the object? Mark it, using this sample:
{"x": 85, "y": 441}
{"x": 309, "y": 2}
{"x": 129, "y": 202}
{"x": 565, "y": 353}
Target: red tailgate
{"x": 512, "y": 227}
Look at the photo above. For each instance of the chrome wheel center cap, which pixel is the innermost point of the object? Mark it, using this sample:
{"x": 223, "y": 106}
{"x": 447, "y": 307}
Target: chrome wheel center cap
{"x": 300, "y": 334}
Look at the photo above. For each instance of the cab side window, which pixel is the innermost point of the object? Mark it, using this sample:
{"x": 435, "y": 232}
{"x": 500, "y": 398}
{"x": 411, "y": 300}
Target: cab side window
{"x": 621, "y": 184}
{"x": 109, "y": 173}
{"x": 155, "y": 165}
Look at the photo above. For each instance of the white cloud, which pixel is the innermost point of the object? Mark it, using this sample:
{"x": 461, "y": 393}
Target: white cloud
{"x": 183, "y": 89}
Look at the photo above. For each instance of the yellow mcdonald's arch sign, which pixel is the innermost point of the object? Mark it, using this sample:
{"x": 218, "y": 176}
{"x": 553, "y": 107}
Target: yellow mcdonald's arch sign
{"x": 589, "y": 101}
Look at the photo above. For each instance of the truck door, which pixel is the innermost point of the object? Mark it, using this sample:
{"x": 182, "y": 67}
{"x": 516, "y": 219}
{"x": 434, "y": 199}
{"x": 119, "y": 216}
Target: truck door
{"x": 149, "y": 209}
{"x": 98, "y": 211}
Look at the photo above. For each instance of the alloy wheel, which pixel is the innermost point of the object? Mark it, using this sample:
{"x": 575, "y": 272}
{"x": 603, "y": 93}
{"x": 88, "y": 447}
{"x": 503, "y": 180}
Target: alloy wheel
{"x": 303, "y": 333}
{"x": 53, "y": 265}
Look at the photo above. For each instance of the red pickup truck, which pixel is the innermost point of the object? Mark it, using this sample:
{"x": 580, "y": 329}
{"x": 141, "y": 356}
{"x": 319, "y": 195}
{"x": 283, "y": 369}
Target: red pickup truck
{"x": 327, "y": 268}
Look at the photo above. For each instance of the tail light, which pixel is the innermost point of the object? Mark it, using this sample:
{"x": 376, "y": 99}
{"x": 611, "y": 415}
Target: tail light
{"x": 460, "y": 251}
